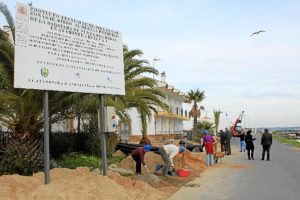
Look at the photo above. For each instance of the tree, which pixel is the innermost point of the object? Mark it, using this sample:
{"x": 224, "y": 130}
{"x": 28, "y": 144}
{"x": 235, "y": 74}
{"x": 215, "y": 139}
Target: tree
{"x": 140, "y": 90}
{"x": 203, "y": 125}
{"x": 217, "y": 114}
{"x": 21, "y": 111}
{"x": 195, "y": 96}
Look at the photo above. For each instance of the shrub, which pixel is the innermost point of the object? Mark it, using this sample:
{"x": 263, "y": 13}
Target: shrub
{"x": 10, "y": 164}
{"x": 94, "y": 144}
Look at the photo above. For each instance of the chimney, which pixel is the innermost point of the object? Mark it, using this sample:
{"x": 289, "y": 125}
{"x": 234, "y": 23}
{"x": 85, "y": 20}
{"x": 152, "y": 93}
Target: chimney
{"x": 163, "y": 76}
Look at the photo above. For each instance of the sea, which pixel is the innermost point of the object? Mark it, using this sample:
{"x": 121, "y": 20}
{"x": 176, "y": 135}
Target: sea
{"x": 282, "y": 129}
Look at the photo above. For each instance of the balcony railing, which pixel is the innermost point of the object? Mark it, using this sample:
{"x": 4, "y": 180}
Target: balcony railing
{"x": 175, "y": 114}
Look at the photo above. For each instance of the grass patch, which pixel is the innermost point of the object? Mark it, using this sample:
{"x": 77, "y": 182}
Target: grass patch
{"x": 72, "y": 161}
{"x": 126, "y": 174}
{"x": 292, "y": 142}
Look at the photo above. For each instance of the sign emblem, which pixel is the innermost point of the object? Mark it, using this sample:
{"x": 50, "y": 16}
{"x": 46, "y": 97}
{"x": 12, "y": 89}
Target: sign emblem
{"x": 44, "y": 72}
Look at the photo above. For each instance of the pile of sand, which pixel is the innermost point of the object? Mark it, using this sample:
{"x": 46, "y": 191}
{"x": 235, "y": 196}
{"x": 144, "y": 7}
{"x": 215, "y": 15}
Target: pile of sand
{"x": 75, "y": 184}
{"x": 151, "y": 159}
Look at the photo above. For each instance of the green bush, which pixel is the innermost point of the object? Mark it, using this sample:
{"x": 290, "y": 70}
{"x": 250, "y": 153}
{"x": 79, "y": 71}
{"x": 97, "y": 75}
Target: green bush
{"x": 198, "y": 138}
{"x": 94, "y": 144}
{"x": 10, "y": 164}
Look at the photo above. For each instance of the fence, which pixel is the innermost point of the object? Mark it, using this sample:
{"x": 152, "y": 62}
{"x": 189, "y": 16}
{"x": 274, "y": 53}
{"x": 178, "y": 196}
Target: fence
{"x": 63, "y": 142}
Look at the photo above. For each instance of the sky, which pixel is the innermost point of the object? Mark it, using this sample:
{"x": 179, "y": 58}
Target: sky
{"x": 207, "y": 44}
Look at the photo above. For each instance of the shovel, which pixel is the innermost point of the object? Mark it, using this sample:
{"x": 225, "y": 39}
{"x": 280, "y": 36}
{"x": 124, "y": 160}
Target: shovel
{"x": 147, "y": 169}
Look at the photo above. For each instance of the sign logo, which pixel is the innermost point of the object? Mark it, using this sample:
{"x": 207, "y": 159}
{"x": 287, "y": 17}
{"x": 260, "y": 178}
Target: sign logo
{"x": 22, "y": 10}
{"x": 109, "y": 79}
{"x": 44, "y": 72}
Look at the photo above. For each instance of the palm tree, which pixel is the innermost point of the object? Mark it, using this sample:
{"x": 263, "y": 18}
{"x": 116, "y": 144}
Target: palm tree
{"x": 217, "y": 114}
{"x": 140, "y": 90}
{"x": 195, "y": 96}
{"x": 21, "y": 111}
{"x": 203, "y": 125}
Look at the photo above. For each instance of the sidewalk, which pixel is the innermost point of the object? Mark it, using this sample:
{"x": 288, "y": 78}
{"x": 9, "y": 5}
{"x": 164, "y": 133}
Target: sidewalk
{"x": 216, "y": 182}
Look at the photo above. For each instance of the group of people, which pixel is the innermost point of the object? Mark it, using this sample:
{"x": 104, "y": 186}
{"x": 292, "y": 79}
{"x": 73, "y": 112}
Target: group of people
{"x": 266, "y": 142}
{"x": 167, "y": 152}
{"x": 210, "y": 142}
{"x": 225, "y": 138}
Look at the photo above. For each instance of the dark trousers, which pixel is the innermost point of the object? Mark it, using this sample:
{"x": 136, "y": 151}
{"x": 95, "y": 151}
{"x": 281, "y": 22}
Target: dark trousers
{"x": 166, "y": 159}
{"x": 266, "y": 148}
{"x": 252, "y": 153}
{"x": 228, "y": 148}
{"x": 223, "y": 147}
{"x": 138, "y": 164}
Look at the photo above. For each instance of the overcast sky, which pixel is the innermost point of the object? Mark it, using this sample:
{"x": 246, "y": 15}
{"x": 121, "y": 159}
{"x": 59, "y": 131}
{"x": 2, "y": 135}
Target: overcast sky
{"x": 206, "y": 44}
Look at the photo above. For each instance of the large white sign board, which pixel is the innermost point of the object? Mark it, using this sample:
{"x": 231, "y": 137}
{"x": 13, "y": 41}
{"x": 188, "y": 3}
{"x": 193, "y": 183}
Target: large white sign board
{"x": 54, "y": 52}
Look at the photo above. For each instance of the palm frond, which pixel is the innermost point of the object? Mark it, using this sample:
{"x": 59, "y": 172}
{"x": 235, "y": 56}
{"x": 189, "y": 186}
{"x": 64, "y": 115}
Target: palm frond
{"x": 9, "y": 19}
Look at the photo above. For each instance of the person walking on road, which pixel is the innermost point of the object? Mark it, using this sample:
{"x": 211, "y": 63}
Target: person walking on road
{"x": 168, "y": 152}
{"x": 242, "y": 141}
{"x": 249, "y": 145}
{"x": 223, "y": 139}
{"x": 208, "y": 142}
{"x": 266, "y": 142}
{"x": 229, "y": 136}
{"x": 138, "y": 156}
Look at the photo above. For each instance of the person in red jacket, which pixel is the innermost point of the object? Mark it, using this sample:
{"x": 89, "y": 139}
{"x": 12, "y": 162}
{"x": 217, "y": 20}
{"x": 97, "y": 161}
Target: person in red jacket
{"x": 138, "y": 156}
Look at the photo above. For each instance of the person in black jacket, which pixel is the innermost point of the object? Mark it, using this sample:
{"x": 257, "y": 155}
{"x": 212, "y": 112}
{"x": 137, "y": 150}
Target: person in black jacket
{"x": 228, "y": 138}
{"x": 249, "y": 144}
{"x": 223, "y": 139}
{"x": 266, "y": 142}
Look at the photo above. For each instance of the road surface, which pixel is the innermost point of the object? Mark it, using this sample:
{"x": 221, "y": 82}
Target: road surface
{"x": 238, "y": 178}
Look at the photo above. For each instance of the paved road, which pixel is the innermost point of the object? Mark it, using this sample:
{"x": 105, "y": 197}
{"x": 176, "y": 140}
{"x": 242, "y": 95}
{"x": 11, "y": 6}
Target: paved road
{"x": 241, "y": 179}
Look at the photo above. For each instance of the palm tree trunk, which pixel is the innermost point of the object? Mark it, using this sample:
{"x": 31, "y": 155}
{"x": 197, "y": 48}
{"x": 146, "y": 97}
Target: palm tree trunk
{"x": 144, "y": 125}
{"x": 78, "y": 123}
{"x": 23, "y": 156}
{"x": 195, "y": 120}
{"x": 144, "y": 139}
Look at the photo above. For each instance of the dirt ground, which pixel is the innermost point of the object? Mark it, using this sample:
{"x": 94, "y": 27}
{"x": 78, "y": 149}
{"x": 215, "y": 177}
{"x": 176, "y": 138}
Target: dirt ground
{"x": 191, "y": 160}
{"x": 79, "y": 184}
{"x": 83, "y": 184}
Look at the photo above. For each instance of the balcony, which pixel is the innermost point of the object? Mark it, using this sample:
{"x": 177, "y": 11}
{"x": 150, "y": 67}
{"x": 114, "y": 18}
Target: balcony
{"x": 174, "y": 115}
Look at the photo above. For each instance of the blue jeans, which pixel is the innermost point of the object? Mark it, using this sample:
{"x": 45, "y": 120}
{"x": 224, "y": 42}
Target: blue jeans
{"x": 209, "y": 159}
{"x": 242, "y": 145}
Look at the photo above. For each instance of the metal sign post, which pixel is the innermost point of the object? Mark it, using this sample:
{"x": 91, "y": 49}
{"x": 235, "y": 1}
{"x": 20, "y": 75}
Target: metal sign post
{"x": 46, "y": 139}
{"x": 101, "y": 128}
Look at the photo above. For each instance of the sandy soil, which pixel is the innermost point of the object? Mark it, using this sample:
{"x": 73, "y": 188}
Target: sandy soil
{"x": 169, "y": 185}
{"x": 75, "y": 184}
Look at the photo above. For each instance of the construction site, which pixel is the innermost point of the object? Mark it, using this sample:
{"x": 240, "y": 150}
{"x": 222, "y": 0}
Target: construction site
{"x": 121, "y": 183}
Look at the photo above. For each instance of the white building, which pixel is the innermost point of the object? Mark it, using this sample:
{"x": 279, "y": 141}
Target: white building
{"x": 163, "y": 122}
